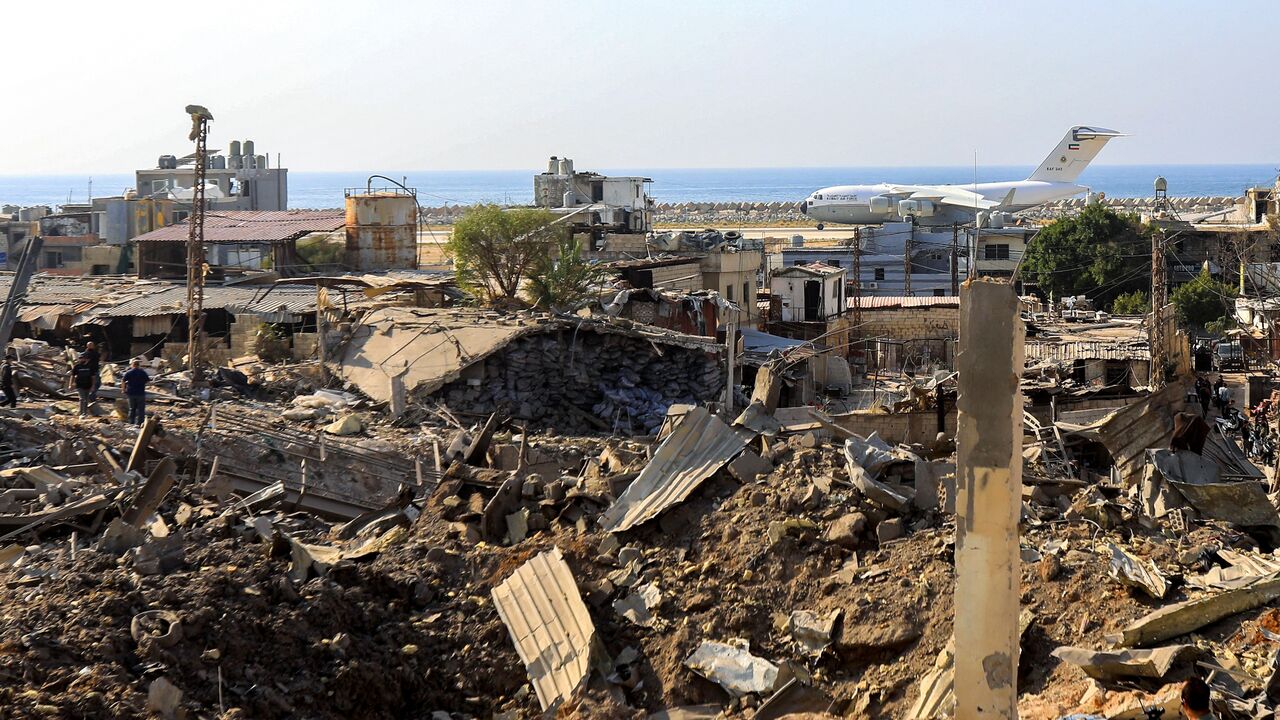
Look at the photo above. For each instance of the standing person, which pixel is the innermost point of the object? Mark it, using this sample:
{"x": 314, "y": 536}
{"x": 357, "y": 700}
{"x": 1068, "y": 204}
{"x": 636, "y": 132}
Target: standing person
{"x": 6, "y": 382}
{"x": 82, "y": 378}
{"x": 1224, "y": 396}
{"x": 1203, "y": 394}
{"x": 1195, "y": 700}
{"x": 95, "y": 362}
{"x": 134, "y": 384}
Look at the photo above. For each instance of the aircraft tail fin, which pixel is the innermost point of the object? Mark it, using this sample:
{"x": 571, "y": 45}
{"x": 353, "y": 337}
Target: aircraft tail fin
{"x": 1081, "y": 145}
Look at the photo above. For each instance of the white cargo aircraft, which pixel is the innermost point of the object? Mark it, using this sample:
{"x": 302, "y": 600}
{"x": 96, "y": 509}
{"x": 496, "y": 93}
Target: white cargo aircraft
{"x": 947, "y": 204}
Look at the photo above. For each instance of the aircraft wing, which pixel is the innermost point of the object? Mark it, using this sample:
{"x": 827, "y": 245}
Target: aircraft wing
{"x": 958, "y": 197}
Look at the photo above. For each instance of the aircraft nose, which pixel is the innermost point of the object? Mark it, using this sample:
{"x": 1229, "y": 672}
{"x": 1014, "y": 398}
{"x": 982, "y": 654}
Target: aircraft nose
{"x": 804, "y": 206}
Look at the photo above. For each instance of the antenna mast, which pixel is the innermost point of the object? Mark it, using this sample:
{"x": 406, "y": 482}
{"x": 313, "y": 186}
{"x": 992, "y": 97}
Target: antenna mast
{"x": 200, "y": 118}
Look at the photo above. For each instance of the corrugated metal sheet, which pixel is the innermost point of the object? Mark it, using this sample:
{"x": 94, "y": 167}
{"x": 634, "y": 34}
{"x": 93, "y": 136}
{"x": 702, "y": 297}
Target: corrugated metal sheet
{"x": 1132, "y": 430}
{"x": 700, "y": 445}
{"x": 549, "y": 624}
{"x": 885, "y": 302}
{"x": 252, "y": 226}
{"x": 1071, "y": 350}
{"x": 171, "y": 300}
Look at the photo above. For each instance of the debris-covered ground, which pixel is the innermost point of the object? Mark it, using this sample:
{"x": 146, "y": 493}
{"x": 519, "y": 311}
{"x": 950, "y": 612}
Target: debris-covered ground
{"x": 748, "y": 575}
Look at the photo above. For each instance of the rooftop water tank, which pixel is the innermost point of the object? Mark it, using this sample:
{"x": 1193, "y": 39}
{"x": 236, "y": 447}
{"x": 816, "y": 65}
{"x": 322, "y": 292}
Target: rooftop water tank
{"x": 167, "y": 162}
{"x": 382, "y": 232}
{"x": 218, "y": 162}
{"x": 1162, "y": 185}
{"x": 234, "y": 148}
{"x": 248, "y": 147}
{"x": 566, "y": 166}
{"x": 260, "y": 162}
{"x": 797, "y": 241}
{"x": 553, "y": 165}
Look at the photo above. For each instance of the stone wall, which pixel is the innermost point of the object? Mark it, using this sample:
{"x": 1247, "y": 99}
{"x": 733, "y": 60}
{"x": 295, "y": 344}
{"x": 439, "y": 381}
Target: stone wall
{"x": 911, "y": 323}
{"x": 894, "y": 428}
{"x": 586, "y": 382}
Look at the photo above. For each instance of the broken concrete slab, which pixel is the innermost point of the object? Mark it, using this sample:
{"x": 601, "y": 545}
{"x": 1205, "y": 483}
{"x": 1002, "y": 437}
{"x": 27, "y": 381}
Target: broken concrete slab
{"x": 148, "y": 499}
{"x": 1190, "y": 615}
{"x": 732, "y": 666}
{"x": 1154, "y": 663}
{"x": 870, "y": 453}
{"x": 1129, "y": 570}
{"x": 892, "y": 497}
{"x": 813, "y": 632}
{"x": 748, "y": 466}
{"x": 543, "y": 610}
{"x": 638, "y": 605}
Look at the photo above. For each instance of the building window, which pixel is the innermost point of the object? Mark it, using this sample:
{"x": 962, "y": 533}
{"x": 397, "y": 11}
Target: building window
{"x": 52, "y": 259}
{"x": 997, "y": 252}
{"x": 879, "y": 273}
{"x": 746, "y": 293}
{"x": 939, "y": 292}
{"x": 728, "y": 293}
{"x": 832, "y": 263}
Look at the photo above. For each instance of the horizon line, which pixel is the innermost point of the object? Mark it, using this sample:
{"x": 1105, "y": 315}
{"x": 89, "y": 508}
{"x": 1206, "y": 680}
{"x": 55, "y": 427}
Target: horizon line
{"x": 721, "y": 168}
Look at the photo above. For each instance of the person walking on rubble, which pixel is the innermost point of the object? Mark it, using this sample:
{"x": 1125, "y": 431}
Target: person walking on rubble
{"x": 134, "y": 384}
{"x": 6, "y": 382}
{"x": 95, "y": 362}
{"x": 82, "y": 378}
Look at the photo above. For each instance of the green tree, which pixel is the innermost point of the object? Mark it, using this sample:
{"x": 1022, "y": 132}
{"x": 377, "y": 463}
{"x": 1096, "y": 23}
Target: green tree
{"x": 563, "y": 280}
{"x": 494, "y": 249}
{"x": 1203, "y": 300}
{"x": 1099, "y": 253}
{"x": 1131, "y": 303}
{"x": 320, "y": 250}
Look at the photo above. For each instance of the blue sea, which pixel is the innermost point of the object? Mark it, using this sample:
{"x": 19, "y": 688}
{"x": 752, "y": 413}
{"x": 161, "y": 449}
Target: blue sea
{"x": 437, "y": 187}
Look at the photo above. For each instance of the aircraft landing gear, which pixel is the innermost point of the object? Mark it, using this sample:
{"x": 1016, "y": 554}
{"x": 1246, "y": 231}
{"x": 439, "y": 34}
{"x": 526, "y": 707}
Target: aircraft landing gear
{"x": 819, "y": 226}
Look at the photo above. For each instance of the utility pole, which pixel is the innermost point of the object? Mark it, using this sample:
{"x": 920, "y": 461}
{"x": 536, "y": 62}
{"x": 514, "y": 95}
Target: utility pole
{"x": 200, "y": 118}
{"x": 857, "y": 277}
{"x": 731, "y": 344}
{"x": 955, "y": 259}
{"x": 1159, "y": 298}
{"x": 906, "y": 260}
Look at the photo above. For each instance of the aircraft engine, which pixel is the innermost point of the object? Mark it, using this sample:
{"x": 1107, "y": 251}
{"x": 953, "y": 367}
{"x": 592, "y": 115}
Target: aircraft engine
{"x": 918, "y": 208}
{"x": 880, "y": 204}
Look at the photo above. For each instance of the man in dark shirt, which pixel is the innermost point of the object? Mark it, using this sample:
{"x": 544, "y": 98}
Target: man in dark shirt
{"x": 82, "y": 378}
{"x": 6, "y": 382}
{"x": 95, "y": 362}
{"x": 134, "y": 384}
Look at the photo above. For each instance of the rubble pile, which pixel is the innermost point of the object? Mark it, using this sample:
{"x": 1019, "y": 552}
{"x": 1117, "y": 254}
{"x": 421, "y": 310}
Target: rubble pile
{"x": 600, "y": 382}
{"x": 297, "y": 551}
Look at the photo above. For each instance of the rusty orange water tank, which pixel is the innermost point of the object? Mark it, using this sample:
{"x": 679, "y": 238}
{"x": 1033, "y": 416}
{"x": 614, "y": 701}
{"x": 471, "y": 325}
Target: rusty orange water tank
{"x": 382, "y": 231}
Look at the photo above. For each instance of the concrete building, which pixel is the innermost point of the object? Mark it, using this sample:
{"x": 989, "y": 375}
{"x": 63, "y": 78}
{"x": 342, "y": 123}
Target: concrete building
{"x": 734, "y": 275}
{"x": 809, "y": 293}
{"x": 239, "y": 180}
{"x": 884, "y": 267}
{"x": 597, "y": 203}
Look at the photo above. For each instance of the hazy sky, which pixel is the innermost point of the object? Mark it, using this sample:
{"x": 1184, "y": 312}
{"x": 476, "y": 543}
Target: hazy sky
{"x": 372, "y": 84}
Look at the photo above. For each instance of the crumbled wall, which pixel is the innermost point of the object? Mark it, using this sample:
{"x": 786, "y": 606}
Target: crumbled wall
{"x": 621, "y": 381}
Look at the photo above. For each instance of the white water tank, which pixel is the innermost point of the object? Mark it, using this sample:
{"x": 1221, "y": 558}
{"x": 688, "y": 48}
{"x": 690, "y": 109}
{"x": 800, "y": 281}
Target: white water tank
{"x": 566, "y": 166}
{"x": 553, "y": 165}
{"x": 570, "y": 199}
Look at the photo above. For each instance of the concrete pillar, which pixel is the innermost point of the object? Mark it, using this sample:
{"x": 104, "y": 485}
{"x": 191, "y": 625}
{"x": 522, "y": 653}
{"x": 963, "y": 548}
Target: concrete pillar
{"x": 989, "y": 476}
